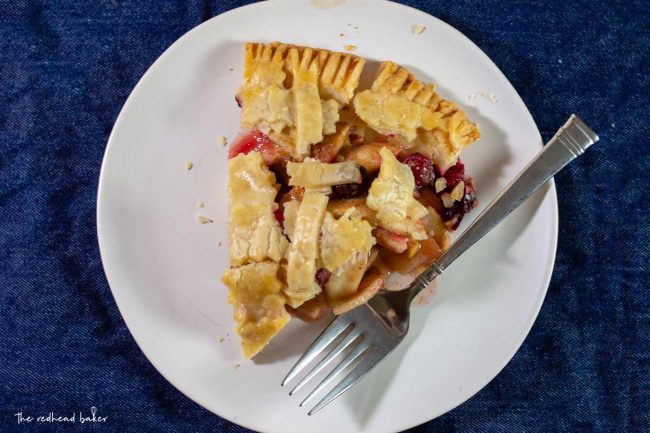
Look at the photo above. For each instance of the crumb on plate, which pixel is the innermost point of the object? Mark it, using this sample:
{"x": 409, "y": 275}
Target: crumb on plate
{"x": 222, "y": 140}
{"x": 188, "y": 165}
{"x": 204, "y": 220}
{"x": 219, "y": 243}
{"x": 350, "y": 47}
{"x": 200, "y": 204}
{"x": 418, "y": 29}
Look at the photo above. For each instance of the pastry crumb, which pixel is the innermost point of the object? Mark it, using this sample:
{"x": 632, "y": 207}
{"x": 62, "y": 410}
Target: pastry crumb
{"x": 222, "y": 140}
{"x": 204, "y": 219}
{"x": 200, "y": 205}
{"x": 341, "y": 34}
{"x": 418, "y": 29}
{"x": 222, "y": 339}
{"x": 231, "y": 69}
{"x": 350, "y": 47}
{"x": 219, "y": 243}
{"x": 235, "y": 366}
{"x": 478, "y": 94}
{"x": 188, "y": 165}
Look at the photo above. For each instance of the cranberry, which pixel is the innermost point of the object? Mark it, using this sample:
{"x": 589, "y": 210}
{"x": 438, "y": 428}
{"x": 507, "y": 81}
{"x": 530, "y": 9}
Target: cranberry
{"x": 322, "y": 277}
{"x": 280, "y": 217}
{"x": 347, "y": 190}
{"x": 454, "y": 174}
{"x": 460, "y": 208}
{"x": 421, "y": 167}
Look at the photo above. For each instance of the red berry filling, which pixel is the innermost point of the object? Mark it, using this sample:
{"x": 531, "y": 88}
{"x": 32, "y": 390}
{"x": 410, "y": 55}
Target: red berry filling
{"x": 255, "y": 140}
{"x": 421, "y": 167}
{"x": 274, "y": 155}
{"x": 454, "y": 174}
{"x": 348, "y": 190}
{"x": 280, "y": 217}
{"x": 322, "y": 277}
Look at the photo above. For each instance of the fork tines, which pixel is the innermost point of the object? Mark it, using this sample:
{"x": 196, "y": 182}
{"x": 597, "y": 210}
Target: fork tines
{"x": 351, "y": 336}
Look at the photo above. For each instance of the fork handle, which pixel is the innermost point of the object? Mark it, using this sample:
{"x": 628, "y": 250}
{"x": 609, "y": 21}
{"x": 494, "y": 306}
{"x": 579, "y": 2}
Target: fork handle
{"x": 568, "y": 143}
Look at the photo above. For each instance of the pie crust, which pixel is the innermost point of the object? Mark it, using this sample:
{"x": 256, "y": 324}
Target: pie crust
{"x": 414, "y": 115}
{"x": 294, "y": 93}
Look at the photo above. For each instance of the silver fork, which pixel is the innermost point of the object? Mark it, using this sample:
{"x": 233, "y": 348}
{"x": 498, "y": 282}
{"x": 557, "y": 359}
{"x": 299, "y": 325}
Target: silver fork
{"x": 371, "y": 331}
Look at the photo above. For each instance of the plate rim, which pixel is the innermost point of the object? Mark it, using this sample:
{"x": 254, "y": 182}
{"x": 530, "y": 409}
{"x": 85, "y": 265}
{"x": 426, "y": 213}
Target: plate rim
{"x": 551, "y": 190}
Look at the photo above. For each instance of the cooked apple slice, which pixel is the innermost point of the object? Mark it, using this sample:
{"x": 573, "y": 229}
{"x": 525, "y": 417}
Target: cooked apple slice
{"x": 327, "y": 150}
{"x": 438, "y": 229}
{"x": 312, "y": 310}
{"x": 367, "y": 155}
{"x": 391, "y": 241}
{"x": 371, "y": 283}
{"x": 405, "y": 264}
{"x": 345, "y": 279}
{"x": 361, "y": 209}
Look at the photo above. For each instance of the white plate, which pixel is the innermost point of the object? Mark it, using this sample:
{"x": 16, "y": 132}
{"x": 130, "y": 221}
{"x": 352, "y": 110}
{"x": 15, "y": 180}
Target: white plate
{"x": 164, "y": 268}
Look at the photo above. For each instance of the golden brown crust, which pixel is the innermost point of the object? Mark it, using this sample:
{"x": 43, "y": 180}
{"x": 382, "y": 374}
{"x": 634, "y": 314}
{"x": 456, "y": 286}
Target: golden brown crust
{"x": 414, "y": 114}
{"x": 338, "y": 72}
{"x": 294, "y": 93}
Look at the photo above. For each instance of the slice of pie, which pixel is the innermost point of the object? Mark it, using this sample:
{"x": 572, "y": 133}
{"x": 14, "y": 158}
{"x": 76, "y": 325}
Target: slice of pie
{"x": 333, "y": 188}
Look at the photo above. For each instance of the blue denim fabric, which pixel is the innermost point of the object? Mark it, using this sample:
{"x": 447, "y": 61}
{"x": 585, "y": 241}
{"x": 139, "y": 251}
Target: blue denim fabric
{"x": 67, "y": 67}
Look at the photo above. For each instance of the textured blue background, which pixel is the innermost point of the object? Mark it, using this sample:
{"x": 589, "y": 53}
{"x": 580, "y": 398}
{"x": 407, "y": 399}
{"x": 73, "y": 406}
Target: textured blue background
{"x": 67, "y": 67}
